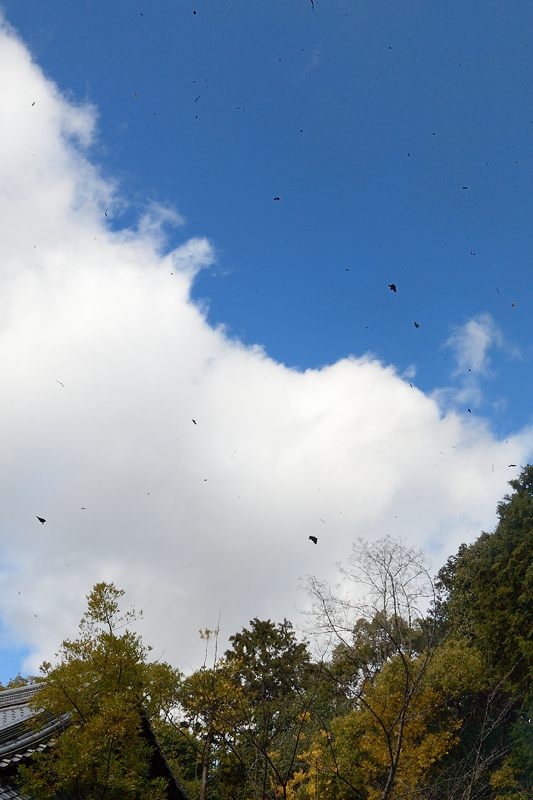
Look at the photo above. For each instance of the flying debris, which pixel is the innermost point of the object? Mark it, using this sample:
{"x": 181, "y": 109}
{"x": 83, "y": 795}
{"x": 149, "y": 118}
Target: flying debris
{"x": 314, "y": 539}
{"x": 41, "y": 520}
{"x": 416, "y": 324}
{"x": 392, "y": 287}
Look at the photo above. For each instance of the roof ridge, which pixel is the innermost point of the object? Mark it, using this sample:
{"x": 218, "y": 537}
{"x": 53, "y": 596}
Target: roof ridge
{"x": 19, "y": 694}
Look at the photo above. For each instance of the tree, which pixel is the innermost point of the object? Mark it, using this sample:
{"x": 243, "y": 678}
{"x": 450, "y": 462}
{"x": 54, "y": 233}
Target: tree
{"x": 273, "y": 671}
{"x": 486, "y": 590}
{"x": 213, "y": 707}
{"x": 485, "y": 595}
{"x": 18, "y": 681}
{"x": 105, "y": 683}
{"x": 379, "y": 627}
{"x": 351, "y": 759}
{"x": 249, "y": 712}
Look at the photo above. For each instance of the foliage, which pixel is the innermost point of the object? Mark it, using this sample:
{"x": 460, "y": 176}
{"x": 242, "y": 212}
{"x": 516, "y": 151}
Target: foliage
{"x": 19, "y": 681}
{"x": 485, "y": 596}
{"x": 248, "y": 712}
{"x": 487, "y": 589}
{"x": 419, "y": 695}
{"x": 104, "y": 682}
{"x": 353, "y": 758}
{"x": 381, "y": 629}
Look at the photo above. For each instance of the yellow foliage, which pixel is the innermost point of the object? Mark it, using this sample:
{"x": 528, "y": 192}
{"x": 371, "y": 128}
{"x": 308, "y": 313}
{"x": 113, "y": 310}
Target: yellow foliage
{"x": 357, "y": 753}
{"x": 504, "y": 780}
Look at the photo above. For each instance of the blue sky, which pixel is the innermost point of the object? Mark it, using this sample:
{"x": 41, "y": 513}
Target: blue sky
{"x": 397, "y": 137}
{"x": 365, "y": 119}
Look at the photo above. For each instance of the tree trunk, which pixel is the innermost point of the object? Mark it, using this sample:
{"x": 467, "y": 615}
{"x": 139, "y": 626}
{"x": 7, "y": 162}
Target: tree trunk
{"x": 205, "y": 766}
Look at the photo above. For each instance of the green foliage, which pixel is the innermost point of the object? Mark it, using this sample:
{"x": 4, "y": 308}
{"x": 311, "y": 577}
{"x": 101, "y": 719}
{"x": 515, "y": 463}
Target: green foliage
{"x": 247, "y": 713}
{"x": 272, "y": 670}
{"x": 104, "y": 682}
{"x": 18, "y": 681}
{"x": 486, "y": 592}
{"x": 269, "y": 660}
{"x": 408, "y": 704}
{"x": 487, "y": 589}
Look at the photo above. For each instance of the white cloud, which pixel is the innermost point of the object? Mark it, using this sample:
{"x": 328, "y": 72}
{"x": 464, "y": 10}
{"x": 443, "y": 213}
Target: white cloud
{"x": 191, "y": 519}
{"x": 409, "y": 372}
{"x": 472, "y": 344}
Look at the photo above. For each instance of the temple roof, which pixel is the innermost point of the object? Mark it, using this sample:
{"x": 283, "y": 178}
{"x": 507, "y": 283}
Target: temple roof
{"x": 20, "y": 738}
{"x": 8, "y": 792}
{"x": 25, "y": 731}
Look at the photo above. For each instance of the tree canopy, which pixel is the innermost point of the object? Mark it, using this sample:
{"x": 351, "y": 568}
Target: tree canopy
{"x": 423, "y": 692}
{"x": 105, "y": 683}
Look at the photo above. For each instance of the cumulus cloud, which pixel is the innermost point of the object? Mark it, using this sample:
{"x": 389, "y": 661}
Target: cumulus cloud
{"x": 105, "y": 361}
{"x": 473, "y": 344}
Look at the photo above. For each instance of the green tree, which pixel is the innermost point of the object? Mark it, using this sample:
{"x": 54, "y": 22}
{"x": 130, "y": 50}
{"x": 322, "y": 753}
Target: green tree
{"x": 485, "y": 596}
{"x": 18, "y": 681}
{"x": 249, "y": 713}
{"x": 214, "y": 708}
{"x": 486, "y": 590}
{"x": 273, "y": 671}
{"x": 105, "y": 684}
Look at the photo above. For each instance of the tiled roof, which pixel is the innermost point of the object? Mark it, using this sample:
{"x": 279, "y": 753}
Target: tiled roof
{"x": 24, "y": 731}
{"x": 19, "y": 737}
{"x": 8, "y": 792}
{"x": 22, "y": 694}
